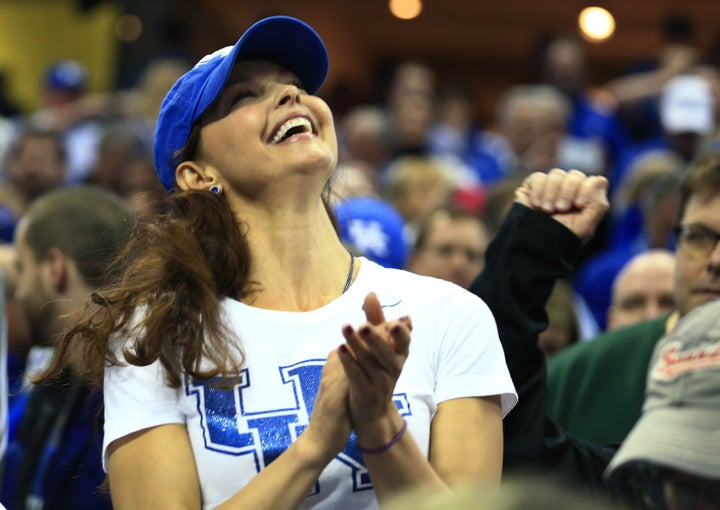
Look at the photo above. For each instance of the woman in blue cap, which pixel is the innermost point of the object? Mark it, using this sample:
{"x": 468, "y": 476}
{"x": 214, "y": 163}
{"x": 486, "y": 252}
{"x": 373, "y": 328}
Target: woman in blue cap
{"x": 218, "y": 341}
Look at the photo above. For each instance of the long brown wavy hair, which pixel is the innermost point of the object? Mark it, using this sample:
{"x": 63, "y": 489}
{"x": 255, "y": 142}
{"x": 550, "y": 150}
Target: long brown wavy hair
{"x": 163, "y": 292}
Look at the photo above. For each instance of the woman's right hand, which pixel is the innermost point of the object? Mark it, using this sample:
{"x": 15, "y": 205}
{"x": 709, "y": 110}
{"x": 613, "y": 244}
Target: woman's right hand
{"x": 373, "y": 358}
{"x": 329, "y": 427}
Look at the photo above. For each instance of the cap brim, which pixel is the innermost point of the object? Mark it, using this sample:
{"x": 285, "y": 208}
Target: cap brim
{"x": 286, "y": 41}
{"x": 687, "y": 122}
{"x": 684, "y": 438}
{"x": 290, "y": 43}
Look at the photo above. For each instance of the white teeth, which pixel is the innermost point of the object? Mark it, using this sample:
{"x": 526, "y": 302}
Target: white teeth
{"x": 292, "y": 123}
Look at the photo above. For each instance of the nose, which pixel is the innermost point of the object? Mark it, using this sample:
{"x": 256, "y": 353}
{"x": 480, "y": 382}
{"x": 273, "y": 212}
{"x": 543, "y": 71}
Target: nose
{"x": 288, "y": 94}
{"x": 714, "y": 259}
{"x": 652, "y": 310}
{"x": 458, "y": 262}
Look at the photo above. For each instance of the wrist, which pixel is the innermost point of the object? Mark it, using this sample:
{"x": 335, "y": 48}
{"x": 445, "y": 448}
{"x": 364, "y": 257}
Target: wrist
{"x": 377, "y": 434}
{"x": 386, "y": 446}
{"x": 312, "y": 453}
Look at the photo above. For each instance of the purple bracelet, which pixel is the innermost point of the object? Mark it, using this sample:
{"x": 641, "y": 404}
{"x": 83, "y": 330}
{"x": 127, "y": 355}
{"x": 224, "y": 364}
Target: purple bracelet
{"x": 385, "y": 447}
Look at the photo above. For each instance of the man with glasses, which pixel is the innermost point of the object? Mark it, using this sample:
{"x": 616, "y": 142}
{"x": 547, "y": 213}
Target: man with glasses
{"x": 671, "y": 458}
{"x": 596, "y": 388}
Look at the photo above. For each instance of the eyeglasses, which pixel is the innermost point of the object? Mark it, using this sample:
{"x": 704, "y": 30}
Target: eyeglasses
{"x": 697, "y": 240}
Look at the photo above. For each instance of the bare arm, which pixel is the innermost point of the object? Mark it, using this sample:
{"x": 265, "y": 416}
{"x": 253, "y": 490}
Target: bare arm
{"x": 466, "y": 433}
{"x": 466, "y": 440}
{"x": 142, "y": 462}
{"x": 675, "y": 59}
{"x": 465, "y": 446}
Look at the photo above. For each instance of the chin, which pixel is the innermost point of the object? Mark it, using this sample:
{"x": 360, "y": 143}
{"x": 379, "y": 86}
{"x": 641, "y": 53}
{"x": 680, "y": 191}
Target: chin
{"x": 710, "y": 299}
{"x": 319, "y": 161}
{"x": 701, "y": 300}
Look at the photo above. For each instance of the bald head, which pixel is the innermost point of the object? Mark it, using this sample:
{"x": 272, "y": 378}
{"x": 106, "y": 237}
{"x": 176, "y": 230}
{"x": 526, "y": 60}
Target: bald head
{"x": 643, "y": 289}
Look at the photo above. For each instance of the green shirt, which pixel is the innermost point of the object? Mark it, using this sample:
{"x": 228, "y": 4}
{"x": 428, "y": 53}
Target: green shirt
{"x": 596, "y": 388}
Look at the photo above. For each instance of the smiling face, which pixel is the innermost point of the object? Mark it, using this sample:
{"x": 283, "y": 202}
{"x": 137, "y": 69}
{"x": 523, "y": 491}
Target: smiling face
{"x": 697, "y": 275}
{"x": 264, "y": 127}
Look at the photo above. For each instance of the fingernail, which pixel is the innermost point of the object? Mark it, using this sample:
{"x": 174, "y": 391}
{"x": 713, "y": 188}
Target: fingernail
{"x": 562, "y": 204}
{"x": 343, "y": 348}
{"x": 348, "y": 329}
{"x": 365, "y": 330}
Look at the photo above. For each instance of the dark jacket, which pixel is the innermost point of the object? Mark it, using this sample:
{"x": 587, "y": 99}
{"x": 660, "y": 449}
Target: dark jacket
{"x": 55, "y": 456}
{"x": 529, "y": 253}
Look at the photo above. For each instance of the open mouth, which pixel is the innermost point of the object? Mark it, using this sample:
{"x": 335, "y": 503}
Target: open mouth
{"x": 292, "y": 127}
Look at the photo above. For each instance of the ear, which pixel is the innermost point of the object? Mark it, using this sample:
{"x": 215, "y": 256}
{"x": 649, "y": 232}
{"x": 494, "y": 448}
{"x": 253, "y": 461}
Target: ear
{"x": 56, "y": 270}
{"x": 610, "y": 318}
{"x": 190, "y": 175}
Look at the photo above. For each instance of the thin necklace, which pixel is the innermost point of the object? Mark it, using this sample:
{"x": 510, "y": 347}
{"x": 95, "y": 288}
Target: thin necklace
{"x": 350, "y": 273}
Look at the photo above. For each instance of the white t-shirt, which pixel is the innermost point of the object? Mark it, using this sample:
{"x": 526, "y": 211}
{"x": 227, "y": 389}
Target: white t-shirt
{"x": 454, "y": 352}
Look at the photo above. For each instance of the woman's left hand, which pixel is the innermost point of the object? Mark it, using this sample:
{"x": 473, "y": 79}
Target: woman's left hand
{"x": 373, "y": 358}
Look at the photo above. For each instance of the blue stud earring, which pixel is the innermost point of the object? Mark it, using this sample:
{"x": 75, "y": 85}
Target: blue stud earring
{"x": 215, "y": 189}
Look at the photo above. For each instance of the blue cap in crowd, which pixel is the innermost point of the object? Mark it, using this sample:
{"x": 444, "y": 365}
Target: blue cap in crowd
{"x": 68, "y": 75}
{"x": 374, "y": 229}
{"x": 283, "y": 40}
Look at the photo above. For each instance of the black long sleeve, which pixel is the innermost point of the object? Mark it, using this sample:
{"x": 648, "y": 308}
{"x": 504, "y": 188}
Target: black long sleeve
{"x": 529, "y": 253}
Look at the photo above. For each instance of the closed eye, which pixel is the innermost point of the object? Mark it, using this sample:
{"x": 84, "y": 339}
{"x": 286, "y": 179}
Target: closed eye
{"x": 298, "y": 84}
{"x": 244, "y": 94}
{"x": 231, "y": 98}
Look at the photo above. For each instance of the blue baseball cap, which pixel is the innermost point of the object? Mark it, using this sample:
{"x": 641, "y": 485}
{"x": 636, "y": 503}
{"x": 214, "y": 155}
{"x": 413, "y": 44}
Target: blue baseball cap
{"x": 374, "y": 229}
{"x": 283, "y": 40}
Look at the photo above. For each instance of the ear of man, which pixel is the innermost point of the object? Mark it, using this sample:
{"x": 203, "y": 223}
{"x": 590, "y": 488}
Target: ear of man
{"x": 610, "y": 317}
{"x": 57, "y": 270}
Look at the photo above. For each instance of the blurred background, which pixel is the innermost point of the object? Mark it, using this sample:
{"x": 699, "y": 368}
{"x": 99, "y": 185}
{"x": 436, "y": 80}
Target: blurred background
{"x": 441, "y": 108}
{"x": 486, "y": 45}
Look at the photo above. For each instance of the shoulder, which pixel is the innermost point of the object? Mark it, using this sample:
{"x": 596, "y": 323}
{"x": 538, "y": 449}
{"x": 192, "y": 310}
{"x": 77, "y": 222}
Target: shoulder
{"x": 415, "y": 287}
{"x": 611, "y": 347}
{"x": 424, "y": 298}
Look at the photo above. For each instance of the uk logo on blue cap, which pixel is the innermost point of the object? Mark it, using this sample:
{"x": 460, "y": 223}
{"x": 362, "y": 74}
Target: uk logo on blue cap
{"x": 374, "y": 229}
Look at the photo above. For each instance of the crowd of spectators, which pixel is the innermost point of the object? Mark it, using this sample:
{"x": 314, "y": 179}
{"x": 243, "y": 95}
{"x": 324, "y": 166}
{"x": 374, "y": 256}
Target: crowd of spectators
{"x": 419, "y": 184}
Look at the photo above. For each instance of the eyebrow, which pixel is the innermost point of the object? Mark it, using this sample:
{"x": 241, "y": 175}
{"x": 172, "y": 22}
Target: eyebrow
{"x": 698, "y": 225}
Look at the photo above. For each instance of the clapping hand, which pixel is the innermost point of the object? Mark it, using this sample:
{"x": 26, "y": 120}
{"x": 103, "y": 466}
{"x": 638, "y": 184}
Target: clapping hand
{"x": 373, "y": 358}
{"x": 329, "y": 426}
